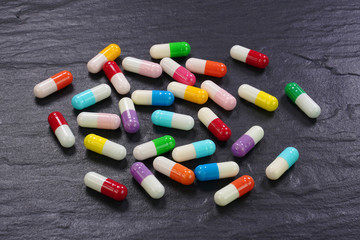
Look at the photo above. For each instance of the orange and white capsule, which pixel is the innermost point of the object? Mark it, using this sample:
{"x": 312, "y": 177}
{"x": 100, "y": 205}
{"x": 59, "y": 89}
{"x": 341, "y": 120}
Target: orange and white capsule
{"x": 219, "y": 95}
{"x": 110, "y": 53}
{"x": 206, "y": 67}
{"x": 53, "y": 84}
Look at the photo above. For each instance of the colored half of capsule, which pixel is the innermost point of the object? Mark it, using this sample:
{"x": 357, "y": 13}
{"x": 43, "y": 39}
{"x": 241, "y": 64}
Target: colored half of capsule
{"x": 257, "y": 97}
{"x": 220, "y": 96}
{"x": 214, "y": 171}
{"x": 152, "y": 97}
{"x": 91, "y": 96}
{"x": 99, "y": 120}
{"x": 194, "y": 150}
{"x": 174, "y": 49}
{"x": 154, "y": 148}
{"x": 214, "y": 124}
{"x": 282, "y": 163}
{"x": 188, "y": 93}
{"x": 247, "y": 141}
{"x": 53, "y": 84}
{"x": 104, "y": 147}
{"x": 206, "y": 67}
{"x": 110, "y": 53}
{"x": 172, "y": 120}
{"x": 249, "y": 56}
{"x": 128, "y": 115}
{"x": 116, "y": 77}
{"x": 177, "y": 72}
{"x": 61, "y": 129}
{"x": 142, "y": 67}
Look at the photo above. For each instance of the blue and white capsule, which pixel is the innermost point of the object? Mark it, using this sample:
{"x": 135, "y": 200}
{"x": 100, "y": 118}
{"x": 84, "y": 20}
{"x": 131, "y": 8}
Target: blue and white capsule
{"x": 194, "y": 150}
{"x": 214, "y": 171}
{"x": 91, "y": 96}
{"x": 172, "y": 120}
{"x": 282, "y": 163}
{"x": 152, "y": 97}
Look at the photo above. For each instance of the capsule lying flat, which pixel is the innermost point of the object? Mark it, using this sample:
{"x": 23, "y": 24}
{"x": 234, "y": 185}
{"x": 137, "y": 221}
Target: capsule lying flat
{"x": 206, "y": 67}
{"x": 142, "y": 67}
{"x": 116, "y": 77}
{"x": 128, "y": 115}
{"x": 247, "y": 141}
{"x": 220, "y": 96}
{"x": 194, "y": 150}
{"x": 154, "y": 148}
{"x": 177, "y": 72}
{"x": 214, "y": 124}
{"x": 61, "y": 129}
{"x": 91, "y": 96}
{"x": 105, "y": 147}
{"x": 172, "y": 120}
{"x": 214, "y": 171}
{"x": 257, "y": 97}
{"x": 152, "y": 97}
{"x": 174, "y": 49}
{"x": 248, "y": 56}
{"x": 99, "y": 120}
{"x": 53, "y": 84}
{"x": 282, "y": 163}
{"x": 110, "y": 53}
{"x": 188, "y": 93}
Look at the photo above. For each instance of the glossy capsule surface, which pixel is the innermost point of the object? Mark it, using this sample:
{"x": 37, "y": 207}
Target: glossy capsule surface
{"x": 91, "y": 96}
{"x": 206, "y": 67}
{"x": 152, "y": 97}
{"x": 172, "y": 120}
{"x": 249, "y": 56}
{"x": 177, "y": 72}
{"x": 282, "y": 163}
{"x": 194, "y": 150}
{"x": 257, "y": 97}
{"x": 61, "y": 129}
{"x": 154, "y": 148}
{"x": 53, "y": 84}
{"x": 128, "y": 115}
{"x": 220, "y": 96}
{"x": 188, "y": 93}
{"x": 142, "y": 67}
{"x": 247, "y": 141}
{"x": 104, "y": 147}
{"x": 99, "y": 120}
{"x": 214, "y": 124}
{"x": 174, "y": 49}
{"x": 116, "y": 77}
{"x": 214, "y": 171}
{"x": 110, "y": 53}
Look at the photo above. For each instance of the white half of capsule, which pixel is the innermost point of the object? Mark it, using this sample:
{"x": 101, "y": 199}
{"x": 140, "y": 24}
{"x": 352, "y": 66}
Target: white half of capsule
{"x": 45, "y": 88}
{"x": 101, "y": 92}
{"x": 153, "y": 187}
{"x": 184, "y": 153}
{"x": 126, "y": 104}
{"x": 206, "y": 116}
{"x": 178, "y": 89}
{"x": 247, "y": 92}
{"x": 96, "y": 63}
{"x": 169, "y": 66}
{"x": 142, "y": 97}
{"x": 196, "y": 65}
{"x": 182, "y": 121}
{"x": 226, "y": 195}
{"x": 228, "y": 169}
{"x": 65, "y": 136}
{"x": 120, "y": 83}
{"x": 239, "y": 53}
{"x": 163, "y": 165}
{"x": 94, "y": 181}
{"x": 98, "y": 120}
{"x": 144, "y": 151}
{"x": 219, "y": 95}
{"x": 308, "y": 105}
{"x": 256, "y": 133}
{"x": 114, "y": 150}
{"x": 142, "y": 67}
{"x": 160, "y": 51}
{"x": 277, "y": 168}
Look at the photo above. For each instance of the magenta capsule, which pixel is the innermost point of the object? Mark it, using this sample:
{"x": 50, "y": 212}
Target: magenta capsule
{"x": 142, "y": 67}
{"x": 177, "y": 72}
{"x": 219, "y": 95}
{"x": 128, "y": 115}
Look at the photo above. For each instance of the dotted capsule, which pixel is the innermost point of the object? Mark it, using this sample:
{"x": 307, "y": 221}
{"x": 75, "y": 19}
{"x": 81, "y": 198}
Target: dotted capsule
{"x": 257, "y": 97}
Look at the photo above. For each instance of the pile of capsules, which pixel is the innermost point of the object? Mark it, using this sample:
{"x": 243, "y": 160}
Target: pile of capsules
{"x": 182, "y": 88}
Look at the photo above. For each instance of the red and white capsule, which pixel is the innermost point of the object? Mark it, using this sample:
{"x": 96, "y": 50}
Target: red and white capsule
{"x": 206, "y": 67}
{"x": 215, "y": 125}
{"x": 219, "y": 95}
{"x": 142, "y": 67}
{"x": 249, "y": 56}
{"x": 53, "y": 84}
{"x": 61, "y": 129}
{"x": 177, "y": 72}
{"x": 116, "y": 77}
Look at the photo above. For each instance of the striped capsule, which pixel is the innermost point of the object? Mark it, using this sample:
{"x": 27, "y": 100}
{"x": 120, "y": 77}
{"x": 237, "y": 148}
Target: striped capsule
{"x": 215, "y": 171}
{"x": 106, "y": 186}
{"x": 302, "y": 100}
{"x": 116, "y": 77}
{"x": 249, "y": 56}
{"x": 173, "y": 170}
{"x": 188, "y": 93}
{"x": 177, "y": 72}
{"x": 142, "y": 67}
{"x": 172, "y": 120}
{"x": 206, "y": 67}
{"x": 154, "y": 148}
{"x": 128, "y": 115}
{"x": 219, "y": 95}
{"x": 174, "y": 49}
{"x": 152, "y": 97}
{"x": 194, "y": 150}
{"x": 215, "y": 125}
{"x": 53, "y": 84}
{"x": 110, "y": 53}
{"x": 247, "y": 141}
{"x": 282, "y": 163}
{"x": 61, "y": 129}
{"x": 91, "y": 96}
{"x": 147, "y": 180}
{"x": 257, "y": 97}
{"x": 104, "y": 147}
{"x": 99, "y": 120}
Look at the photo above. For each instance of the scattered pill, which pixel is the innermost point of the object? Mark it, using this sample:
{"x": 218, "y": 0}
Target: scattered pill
{"x": 214, "y": 171}
{"x": 188, "y": 93}
{"x": 219, "y": 95}
{"x": 116, "y": 77}
{"x": 53, "y": 84}
{"x": 247, "y": 141}
{"x": 154, "y": 148}
{"x": 248, "y": 56}
{"x": 172, "y": 120}
{"x": 99, "y": 120}
{"x": 177, "y": 72}
{"x": 128, "y": 115}
{"x": 152, "y": 97}
{"x": 142, "y": 67}
{"x": 104, "y": 147}
{"x": 214, "y": 124}
{"x": 91, "y": 96}
{"x": 61, "y": 129}
{"x": 194, "y": 150}
{"x": 282, "y": 163}
{"x": 174, "y": 49}
{"x": 257, "y": 97}
{"x": 206, "y": 67}
{"x": 110, "y": 53}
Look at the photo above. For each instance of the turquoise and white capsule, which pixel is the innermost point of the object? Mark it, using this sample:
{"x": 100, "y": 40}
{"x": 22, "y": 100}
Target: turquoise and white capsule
{"x": 194, "y": 150}
{"x": 152, "y": 97}
{"x": 214, "y": 171}
{"x": 282, "y": 163}
{"x": 91, "y": 96}
{"x": 172, "y": 120}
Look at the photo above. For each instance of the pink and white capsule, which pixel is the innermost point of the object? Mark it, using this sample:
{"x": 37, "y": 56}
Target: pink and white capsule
{"x": 142, "y": 67}
{"x": 177, "y": 72}
{"x": 219, "y": 95}
{"x": 99, "y": 120}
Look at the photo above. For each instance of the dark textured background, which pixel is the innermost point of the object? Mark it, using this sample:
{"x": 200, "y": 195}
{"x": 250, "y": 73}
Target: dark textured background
{"x": 314, "y": 43}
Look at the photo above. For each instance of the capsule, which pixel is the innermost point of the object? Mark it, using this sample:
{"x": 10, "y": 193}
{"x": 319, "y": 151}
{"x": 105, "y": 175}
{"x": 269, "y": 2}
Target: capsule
{"x": 174, "y": 170}
{"x": 154, "y": 148}
{"x": 99, "y": 120}
{"x": 206, "y": 67}
{"x": 219, "y": 95}
{"x": 110, "y": 53}
{"x": 257, "y": 97}
{"x": 106, "y": 186}
{"x": 188, "y": 93}
{"x": 116, "y": 77}
{"x": 91, "y": 96}
{"x": 147, "y": 180}
{"x": 247, "y": 141}
{"x": 302, "y": 100}
{"x": 282, "y": 163}
{"x": 215, "y": 125}
{"x": 177, "y": 72}
{"x": 215, "y": 171}
{"x": 248, "y": 56}
{"x": 142, "y": 67}
{"x": 174, "y": 49}
{"x": 128, "y": 115}
{"x": 172, "y": 120}
{"x": 61, "y": 129}
{"x": 53, "y": 84}
{"x": 104, "y": 147}
{"x": 194, "y": 150}
{"x": 152, "y": 97}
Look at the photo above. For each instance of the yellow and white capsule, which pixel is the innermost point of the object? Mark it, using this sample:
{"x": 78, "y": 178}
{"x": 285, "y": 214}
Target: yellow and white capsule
{"x": 104, "y": 147}
{"x": 110, "y": 53}
{"x": 257, "y": 97}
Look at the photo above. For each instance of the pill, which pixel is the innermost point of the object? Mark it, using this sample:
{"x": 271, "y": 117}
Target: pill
{"x": 257, "y": 97}
{"x": 302, "y": 100}
{"x": 172, "y": 120}
{"x": 53, "y": 84}
{"x": 104, "y": 147}
{"x": 194, "y": 150}
{"x": 61, "y": 129}
{"x": 206, "y": 67}
{"x": 154, "y": 148}
{"x": 116, "y": 77}
{"x": 177, "y": 72}
{"x": 142, "y": 67}
{"x": 248, "y": 56}
{"x": 110, "y": 53}
{"x": 282, "y": 163}
{"x": 99, "y": 120}
{"x": 128, "y": 115}
{"x": 106, "y": 186}
{"x": 147, "y": 180}
{"x": 174, "y": 170}
{"x": 174, "y": 49}
{"x": 219, "y": 95}
{"x": 214, "y": 171}
{"x": 91, "y": 96}
{"x": 247, "y": 141}
{"x": 188, "y": 93}
{"x": 214, "y": 124}
{"x": 152, "y": 97}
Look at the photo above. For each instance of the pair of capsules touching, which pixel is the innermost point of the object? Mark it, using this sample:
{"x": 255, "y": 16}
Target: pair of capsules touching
{"x": 61, "y": 129}
{"x": 91, "y": 96}
{"x": 214, "y": 124}
{"x": 53, "y": 84}
{"x": 105, "y": 147}
{"x": 154, "y": 147}
{"x": 172, "y": 120}
{"x": 153, "y": 97}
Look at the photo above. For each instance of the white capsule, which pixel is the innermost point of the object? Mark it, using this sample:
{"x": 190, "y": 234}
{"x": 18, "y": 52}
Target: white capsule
{"x": 142, "y": 67}
{"x": 98, "y": 120}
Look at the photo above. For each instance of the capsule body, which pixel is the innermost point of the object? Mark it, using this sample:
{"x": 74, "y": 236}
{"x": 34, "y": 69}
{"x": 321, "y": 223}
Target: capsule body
{"x": 99, "y": 120}
{"x": 174, "y": 49}
{"x": 257, "y": 97}
{"x": 91, "y": 96}
{"x": 214, "y": 171}
{"x": 110, "y": 53}
{"x": 219, "y": 95}
{"x": 188, "y": 93}
{"x": 152, "y": 97}
{"x": 247, "y": 141}
{"x": 53, "y": 84}
{"x": 172, "y": 120}
{"x": 177, "y": 72}
{"x": 128, "y": 115}
{"x": 282, "y": 163}
{"x": 154, "y": 148}
{"x": 116, "y": 77}
{"x": 215, "y": 125}
{"x": 61, "y": 129}
{"x": 105, "y": 147}
{"x": 142, "y": 67}
{"x": 206, "y": 67}
{"x": 194, "y": 150}
{"x": 248, "y": 56}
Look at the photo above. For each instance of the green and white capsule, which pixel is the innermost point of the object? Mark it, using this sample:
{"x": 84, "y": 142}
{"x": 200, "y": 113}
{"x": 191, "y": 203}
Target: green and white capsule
{"x": 174, "y": 49}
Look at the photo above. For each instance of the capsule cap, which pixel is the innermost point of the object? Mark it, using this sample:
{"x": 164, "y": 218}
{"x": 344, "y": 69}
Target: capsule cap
{"x": 179, "y": 49}
{"x": 290, "y": 154}
{"x": 293, "y": 91}
{"x": 164, "y": 144}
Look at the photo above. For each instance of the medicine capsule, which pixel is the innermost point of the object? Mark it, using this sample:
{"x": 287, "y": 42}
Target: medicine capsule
{"x": 174, "y": 49}
{"x": 116, "y": 77}
{"x": 247, "y": 141}
{"x": 110, "y": 53}
{"x": 99, "y": 120}
{"x": 61, "y": 129}
{"x": 194, "y": 150}
{"x": 215, "y": 125}
{"x": 53, "y": 84}
{"x": 219, "y": 95}
{"x": 214, "y": 171}
{"x": 177, "y": 72}
{"x": 234, "y": 190}
{"x": 248, "y": 56}
{"x": 105, "y": 186}
{"x": 174, "y": 170}
{"x": 142, "y": 67}
{"x": 128, "y": 115}
{"x": 91, "y": 96}
{"x": 172, "y": 120}
{"x": 147, "y": 180}
{"x": 257, "y": 97}
{"x": 152, "y": 97}
{"x": 154, "y": 148}
{"x": 188, "y": 93}
{"x": 105, "y": 147}
{"x": 282, "y": 163}
{"x": 206, "y": 67}
{"x": 302, "y": 100}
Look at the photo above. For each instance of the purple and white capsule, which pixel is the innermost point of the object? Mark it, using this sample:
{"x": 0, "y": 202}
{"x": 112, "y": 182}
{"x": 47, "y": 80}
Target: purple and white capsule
{"x": 128, "y": 115}
{"x": 247, "y": 141}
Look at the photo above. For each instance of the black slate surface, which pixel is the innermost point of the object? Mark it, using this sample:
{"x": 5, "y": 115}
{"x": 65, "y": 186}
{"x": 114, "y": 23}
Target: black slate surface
{"x": 314, "y": 43}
